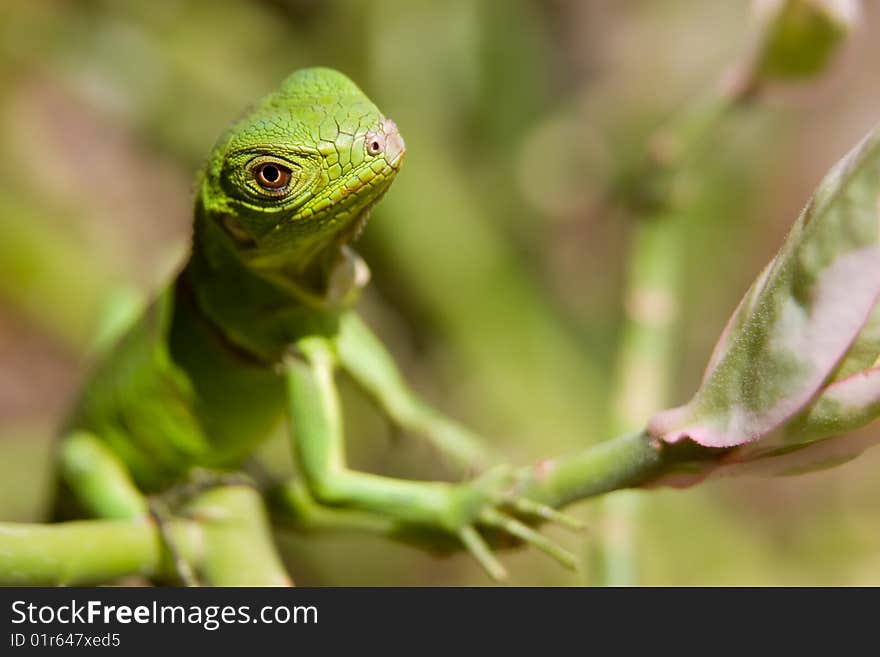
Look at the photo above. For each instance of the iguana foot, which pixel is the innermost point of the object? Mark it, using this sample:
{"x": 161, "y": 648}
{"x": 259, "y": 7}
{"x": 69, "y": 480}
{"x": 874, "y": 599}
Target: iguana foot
{"x": 491, "y": 501}
{"x": 162, "y": 515}
{"x": 163, "y": 508}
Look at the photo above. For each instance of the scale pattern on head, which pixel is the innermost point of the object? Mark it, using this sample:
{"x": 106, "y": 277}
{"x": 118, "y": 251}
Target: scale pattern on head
{"x": 301, "y": 169}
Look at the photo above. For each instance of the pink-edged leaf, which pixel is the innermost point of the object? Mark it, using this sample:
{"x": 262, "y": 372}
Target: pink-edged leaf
{"x": 735, "y": 323}
{"x": 845, "y": 405}
{"x": 865, "y": 350}
{"x": 800, "y": 318}
{"x": 801, "y": 447}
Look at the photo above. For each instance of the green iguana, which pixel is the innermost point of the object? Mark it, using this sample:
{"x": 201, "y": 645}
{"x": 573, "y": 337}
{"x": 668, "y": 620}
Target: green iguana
{"x": 257, "y": 323}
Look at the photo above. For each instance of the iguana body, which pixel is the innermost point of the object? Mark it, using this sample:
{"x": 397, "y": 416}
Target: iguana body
{"x": 257, "y": 323}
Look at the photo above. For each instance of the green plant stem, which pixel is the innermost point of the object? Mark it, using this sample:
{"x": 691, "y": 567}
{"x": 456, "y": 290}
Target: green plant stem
{"x": 623, "y": 462}
{"x": 237, "y": 545}
{"x": 85, "y": 552}
{"x": 646, "y": 355}
{"x": 645, "y": 361}
{"x": 225, "y": 536}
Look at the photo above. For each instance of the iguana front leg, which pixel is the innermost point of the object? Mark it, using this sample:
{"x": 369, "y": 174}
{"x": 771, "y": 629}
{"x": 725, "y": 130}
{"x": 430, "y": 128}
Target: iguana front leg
{"x": 457, "y": 509}
{"x": 97, "y": 479}
{"x": 365, "y": 358}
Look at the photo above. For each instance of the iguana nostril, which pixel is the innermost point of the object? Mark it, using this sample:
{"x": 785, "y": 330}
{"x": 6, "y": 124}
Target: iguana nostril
{"x": 394, "y": 145}
{"x": 386, "y": 140}
{"x": 375, "y": 141}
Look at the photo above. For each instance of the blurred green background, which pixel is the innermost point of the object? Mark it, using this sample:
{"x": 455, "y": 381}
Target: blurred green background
{"x": 498, "y": 256}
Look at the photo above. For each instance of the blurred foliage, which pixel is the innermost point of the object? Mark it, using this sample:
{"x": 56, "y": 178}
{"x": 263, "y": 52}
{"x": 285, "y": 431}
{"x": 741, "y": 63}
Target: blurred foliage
{"x": 800, "y": 36}
{"x": 498, "y": 256}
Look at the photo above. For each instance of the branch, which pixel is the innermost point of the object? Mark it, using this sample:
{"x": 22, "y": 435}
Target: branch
{"x": 624, "y": 462}
{"x": 225, "y": 537}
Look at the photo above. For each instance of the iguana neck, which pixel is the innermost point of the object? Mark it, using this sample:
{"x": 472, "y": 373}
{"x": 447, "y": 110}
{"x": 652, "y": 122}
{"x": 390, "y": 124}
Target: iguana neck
{"x": 262, "y": 312}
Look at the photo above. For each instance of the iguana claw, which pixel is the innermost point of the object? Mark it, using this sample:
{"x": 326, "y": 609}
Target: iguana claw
{"x": 496, "y": 489}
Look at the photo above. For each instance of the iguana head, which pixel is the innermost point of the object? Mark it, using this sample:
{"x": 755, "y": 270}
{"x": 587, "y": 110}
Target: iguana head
{"x": 295, "y": 178}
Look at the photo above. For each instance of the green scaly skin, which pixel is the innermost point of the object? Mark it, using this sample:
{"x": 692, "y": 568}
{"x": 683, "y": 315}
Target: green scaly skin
{"x": 257, "y": 324}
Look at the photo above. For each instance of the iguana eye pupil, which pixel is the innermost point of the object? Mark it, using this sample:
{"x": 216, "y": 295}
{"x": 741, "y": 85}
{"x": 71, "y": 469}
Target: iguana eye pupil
{"x": 272, "y": 176}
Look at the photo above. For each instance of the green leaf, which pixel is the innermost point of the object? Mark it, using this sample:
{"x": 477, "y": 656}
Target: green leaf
{"x": 809, "y": 317}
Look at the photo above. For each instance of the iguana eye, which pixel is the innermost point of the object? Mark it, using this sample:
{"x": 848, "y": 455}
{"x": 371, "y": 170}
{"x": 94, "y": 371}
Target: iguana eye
{"x": 272, "y": 176}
